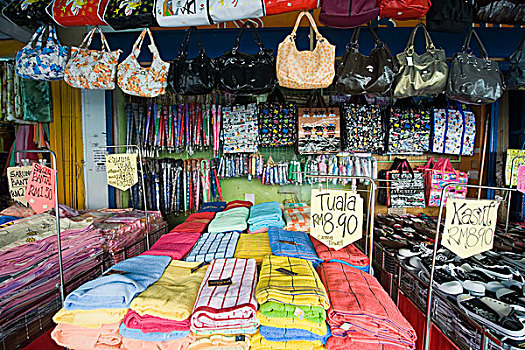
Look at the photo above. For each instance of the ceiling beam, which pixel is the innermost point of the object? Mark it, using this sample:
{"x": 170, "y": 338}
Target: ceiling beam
{"x": 14, "y": 31}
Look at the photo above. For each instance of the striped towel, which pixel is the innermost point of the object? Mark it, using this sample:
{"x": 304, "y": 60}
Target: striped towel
{"x": 225, "y": 303}
{"x": 211, "y": 246}
{"x": 297, "y": 219}
{"x": 255, "y": 246}
{"x": 294, "y": 244}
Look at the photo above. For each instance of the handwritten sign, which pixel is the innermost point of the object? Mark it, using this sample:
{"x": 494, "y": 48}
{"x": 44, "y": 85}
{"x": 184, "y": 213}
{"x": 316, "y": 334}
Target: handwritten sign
{"x": 336, "y": 217}
{"x": 470, "y": 226}
{"x": 40, "y": 190}
{"x": 521, "y": 179}
{"x": 17, "y": 177}
{"x": 121, "y": 170}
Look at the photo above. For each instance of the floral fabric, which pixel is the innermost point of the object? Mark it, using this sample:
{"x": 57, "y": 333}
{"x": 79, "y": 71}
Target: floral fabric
{"x": 71, "y": 13}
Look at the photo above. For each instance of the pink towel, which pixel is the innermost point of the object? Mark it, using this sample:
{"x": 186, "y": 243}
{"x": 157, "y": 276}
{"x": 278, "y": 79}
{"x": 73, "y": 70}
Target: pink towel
{"x": 106, "y": 337}
{"x": 174, "y": 244}
{"x": 196, "y": 222}
{"x": 177, "y": 344}
{"x": 338, "y": 343}
{"x": 153, "y": 324}
{"x": 349, "y": 254}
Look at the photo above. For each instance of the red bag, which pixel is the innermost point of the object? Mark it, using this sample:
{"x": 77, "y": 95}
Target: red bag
{"x": 71, "y": 13}
{"x": 403, "y": 9}
{"x": 273, "y": 7}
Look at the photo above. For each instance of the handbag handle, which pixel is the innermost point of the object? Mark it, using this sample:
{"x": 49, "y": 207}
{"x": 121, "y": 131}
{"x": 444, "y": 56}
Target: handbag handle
{"x": 318, "y": 35}
{"x": 255, "y": 36}
{"x": 355, "y": 37}
{"x": 314, "y": 98}
{"x": 37, "y": 37}
{"x": 277, "y": 96}
{"x": 428, "y": 40}
{"x": 429, "y": 165}
{"x": 138, "y": 44}
{"x": 183, "y": 50}
{"x": 89, "y": 37}
{"x": 466, "y": 44}
{"x": 444, "y": 164}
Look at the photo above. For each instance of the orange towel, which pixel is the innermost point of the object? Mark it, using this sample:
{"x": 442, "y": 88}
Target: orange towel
{"x": 106, "y": 337}
{"x": 177, "y": 344}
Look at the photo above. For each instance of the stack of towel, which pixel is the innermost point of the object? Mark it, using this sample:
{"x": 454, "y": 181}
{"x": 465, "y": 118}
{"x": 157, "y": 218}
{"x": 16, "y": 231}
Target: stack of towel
{"x": 92, "y": 313}
{"x": 293, "y": 304}
{"x": 212, "y": 246}
{"x": 297, "y": 216}
{"x": 255, "y": 246}
{"x": 294, "y": 244}
{"x": 348, "y": 255}
{"x": 230, "y": 220}
{"x": 237, "y": 204}
{"x": 264, "y": 216}
{"x": 174, "y": 244}
{"x": 196, "y": 222}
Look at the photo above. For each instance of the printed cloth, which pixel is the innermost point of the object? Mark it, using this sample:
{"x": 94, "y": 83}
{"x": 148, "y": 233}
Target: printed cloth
{"x": 314, "y": 328}
{"x": 174, "y": 244}
{"x": 297, "y": 219}
{"x": 150, "y": 324}
{"x": 231, "y": 220}
{"x": 222, "y": 342}
{"x": 172, "y": 297}
{"x": 152, "y": 336}
{"x": 196, "y": 222}
{"x": 291, "y": 333}
{"x": 349, "y": 255}
{"x": 290, "y": 281}
{"x": 212, "y": 207}
{"x": 277, "y": 124}
{"x": 409, "y": 131}
{"x": 177, "y": 344}
{"x": 240, "y": 131}
{"x": 118, "y": 285}
{"x": 226, "y": 302}
{"x": 266, "y": 214}
{"x": 363, "y": 130}
{"x": 274, "y": 309}
{"x": 89, "y": 318}
{"x": 361, "y": 309}
{"x": 255, "y": 246}
{"x": 295, "y": 244}
{"x": 237, "y": 204}
{"x": 454, "y": 131}
{"x": 212, "y": 246}
{"x": 105, "y": 337}
{"x": 258, "y": 342}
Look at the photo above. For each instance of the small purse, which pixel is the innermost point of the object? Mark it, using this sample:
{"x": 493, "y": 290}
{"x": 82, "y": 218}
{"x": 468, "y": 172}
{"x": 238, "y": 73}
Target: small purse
{"x": 92, "y": 69}
{"x": 305, "y": 69}
{"x": 136, "y": 80}
{"x": 130, "y": 14}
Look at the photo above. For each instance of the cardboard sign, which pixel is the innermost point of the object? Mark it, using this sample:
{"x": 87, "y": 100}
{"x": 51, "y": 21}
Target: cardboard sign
{"x": 121, "y": 170}
{"x": 40, "y": 190}
{"x": 521, "y": 179}
{"x": 470, "y": 226}
{"x": 336, "y": 217}
{"x": 18, "y": 177}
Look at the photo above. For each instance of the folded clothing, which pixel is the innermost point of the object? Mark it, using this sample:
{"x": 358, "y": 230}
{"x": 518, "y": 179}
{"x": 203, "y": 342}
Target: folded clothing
{"x": 362, "y": 310}
{"x": 151, "y": 336}
{"x": 176, "y": 344}
{"x": 119, "y": 285}
{"x": 295, "y": 244}
{"x": 238, "y": 204}
{"x": 255, "y": 246}
{"x": 266, "y": 214}
{"x": 174, "y": 244}
{"x": 222, "y": 342}
{"x": 319, "y": 329}
{"x": 150, "y": 324}
{"x": 196, "y": 222}
{"x": 297, "y": 218}
{"x": 290, "y": 281}
{"x": 350, "y": 254}
{"x": 290, "y": 333}
{"x": 212, "y": 207}
{"x": 231, "y": 220}
{"x": 259, "y": 343}
{"x": 105, "y": 337}
{"x": 274, "y": 309}
{"x": 338, "y": 343}
{"x": 89, "y": 318}
{"x": 211, "y": 246}
{"x": 225, "y": 303}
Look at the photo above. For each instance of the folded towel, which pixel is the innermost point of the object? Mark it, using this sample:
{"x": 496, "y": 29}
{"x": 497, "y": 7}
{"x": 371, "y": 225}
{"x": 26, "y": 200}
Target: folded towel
{"x": 295, "y": 244}
{"x": 255, "y": 246}
{"x": 311, "y": 313}
{"x": 221, "y": 342}
{"x": 349, "y": 254}
{"x": 237, "y": 204}
{"x": 338, "y": 343}
{"x": 211, "y": 246}
{"x": 177, "y": 344}
{"x": 267, "y": 214}
{"x": 150, "y": 324}
{"x": 212, "y": 207}
{"x": 231, "y": 220}
{"x": 259, "y": 343}
{"x": 293, "y": 322}
{"x": 174, "y": 244}
{"x": 106, "y": 337}
{"x": 152, "y": 336}
{"x": 89, "y": 318}
{"x": 119, "y": 285}
{"x": 290, "y": 333}
{"x": 290, "y": 281}
{"x": 297, "y": 218}
{"x": 362, "y": 268}
{"x": 196, "y": 222}
{"x": 172, "y": 297}
{"x": 225, "y": 301}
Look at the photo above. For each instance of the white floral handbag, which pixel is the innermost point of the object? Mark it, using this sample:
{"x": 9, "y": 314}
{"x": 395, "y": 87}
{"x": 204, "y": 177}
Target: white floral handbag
{"x": 232, "y": 10}
{"x": 92, "y": 69}
{"x": 136, "y": 80}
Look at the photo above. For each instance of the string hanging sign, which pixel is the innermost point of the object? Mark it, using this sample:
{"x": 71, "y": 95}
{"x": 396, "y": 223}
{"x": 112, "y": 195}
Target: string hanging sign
{"x": 40, "y": 190}
{"x": 121, "y": 170}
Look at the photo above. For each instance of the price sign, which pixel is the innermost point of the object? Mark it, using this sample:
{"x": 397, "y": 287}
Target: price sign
{"x": 336, "y": 217}
{"x": 470, "y": 226}
{"x": 121, "y": 170}
{"x": 521, "y": 179}
{"x": 18, "y": 177}
{"x": 40, "y": 190}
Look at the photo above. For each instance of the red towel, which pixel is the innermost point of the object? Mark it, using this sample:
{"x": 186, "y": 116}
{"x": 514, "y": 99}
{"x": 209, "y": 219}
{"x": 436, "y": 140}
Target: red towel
{"x": 237, "y": 204}
{"x": 350, "y": 253}
{"x": 361, "y": 310}
{"x": 174, "y": 244}
{"x": 196, "y": 222}
{"x": 338, "y": 343}
{"x": 152, "y": 324}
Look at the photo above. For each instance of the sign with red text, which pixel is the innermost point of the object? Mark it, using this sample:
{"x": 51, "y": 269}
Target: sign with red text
{"x": 40, "y": 190}
{"x": 17, "y": 178}
{"x": 336, "y": 217}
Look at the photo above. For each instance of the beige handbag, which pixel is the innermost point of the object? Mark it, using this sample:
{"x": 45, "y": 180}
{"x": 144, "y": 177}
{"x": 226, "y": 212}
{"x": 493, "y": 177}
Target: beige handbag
{"x": 305, "y": 69}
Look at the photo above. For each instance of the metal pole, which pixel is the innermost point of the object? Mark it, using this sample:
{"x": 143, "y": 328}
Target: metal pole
{"x": 510, "y": 186}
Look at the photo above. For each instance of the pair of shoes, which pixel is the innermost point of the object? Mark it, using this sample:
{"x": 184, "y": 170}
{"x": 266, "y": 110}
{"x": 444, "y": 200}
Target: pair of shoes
{"x": 419, "y": 249}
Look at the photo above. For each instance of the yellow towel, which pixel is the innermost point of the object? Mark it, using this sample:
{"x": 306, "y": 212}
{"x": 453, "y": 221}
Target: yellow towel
{"x": 220, "y": 341}
{"x": 255, "y": 246}
{"x": 285, "y": 322}
{"x": 259, "y": 343}
{"x": 173, "y": 296}
{"x": 89, "y": 318}
{"x": 297, "y": 283}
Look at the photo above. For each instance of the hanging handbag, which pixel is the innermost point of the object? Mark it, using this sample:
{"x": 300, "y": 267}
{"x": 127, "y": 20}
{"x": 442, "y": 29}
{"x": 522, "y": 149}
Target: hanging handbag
{"x": 136, "y": 80}
{"x": 273, "y": 7}
{"x": 474, "y": 80}
{"x": 195, "y": 76}
{"x": 513, "y": 170}
{"x": 454, "y": 131}
{"x": 403, "y": 10}
{"x": 359, "y": 74}
{"x": 409, "y": 130}
{"x": 130, "y": 14}
{"x": 405, "y": 187}
{"x": 363, "y": 128}
{"x": 439, "y": 175}
{"x": 382, "y": 195}
{"x": 516, "y": 78}
{"x": 27, "y": 13}
{"x": 239, "y": 129}
{"x": 42, "y": 61}
{"x": 305, "y": 69}
{"x": 92, "y": 69}
{"x": 499, "y": 11}
{"x": 224, "y": 11}
{"x": 347, "y": 13}
{"x": 242, "y": 73}
{"x": 277, "y": 121}
{"x": 424, "y": 74}
{"x": 181, "y": 13}
{"x": 450, "y": 16}
{"x": 72, "y": 13}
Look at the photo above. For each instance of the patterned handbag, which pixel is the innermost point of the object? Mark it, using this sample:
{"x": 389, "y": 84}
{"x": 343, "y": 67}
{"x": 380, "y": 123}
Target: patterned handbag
{"x": 39, "y": 61}
{"x": 181, "y": 13}
{"x": 27, "y": 12}
{"x": 129, "y": 14}
{"x": 273, "y": 7}
{"x": 71, "y": 13}
{"x": 232, "y": 10}
{"x": 277, "y": 121}
{"x": 92, "y": 69}
{"x": 136, "y": 80}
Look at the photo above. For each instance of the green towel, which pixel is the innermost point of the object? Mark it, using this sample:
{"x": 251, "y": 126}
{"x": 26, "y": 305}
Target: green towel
{"x": 311, "y": 313}
{"x": 230, "y": 220}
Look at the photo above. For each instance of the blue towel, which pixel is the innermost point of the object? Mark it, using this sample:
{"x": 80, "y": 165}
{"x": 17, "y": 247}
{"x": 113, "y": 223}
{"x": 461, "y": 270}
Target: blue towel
{"x": 213, "y": 207}
{"x": 119, "y": 285}
{"x": 154, "y": 336}
{"x": 211, "y": 246}
{"x": 264, "y": 215}
{"x": 362, "y": 268}
{"x": 287, "y": 334}
{"x": 295, "y": 244}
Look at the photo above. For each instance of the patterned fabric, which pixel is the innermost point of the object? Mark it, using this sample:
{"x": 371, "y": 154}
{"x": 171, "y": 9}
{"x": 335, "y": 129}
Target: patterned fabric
{"x": 240, "y": 132}
{"x": 139, "y": 81}
{"x": 39, "y": 61}
{"x": 223, "y": 11}
{"x": 127, "y": 14}
{"x": 182, "y": 13}
{"x": 297, "y": 219}
{"x": 212, "y": 246}
{"x": 409, "y": 131}
{"x": 294, "y": 244}
{"x": 92, "y": 69}
{"x": 454, "y": 131}
{"x": 71, "y": 13}
{"x": 277, "y": 124}
{"x": 363, "y": 129}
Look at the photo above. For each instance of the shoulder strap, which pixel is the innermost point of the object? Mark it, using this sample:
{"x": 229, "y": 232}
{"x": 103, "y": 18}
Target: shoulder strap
{"x": 138, "y": 44}
{"x": 255, "y": 36}
{"x": 428, "y": 40}
{"x": 183, "y": 50}
{"x": 466, "y": 44}
{"x": 89, "y": 37}
{"x": 37, "y": 37}
{"x": 312, "y": 23}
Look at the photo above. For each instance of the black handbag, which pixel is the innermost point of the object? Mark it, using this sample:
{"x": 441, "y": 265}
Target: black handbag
{"x": 499, "y": 11}
{"x": 192, "y": 76}
{"x": 23, "y": 13}
{"x": 359, "y": 74}
{"x": 450, "y": 16}
{"x": 125, "y": 14}
{"x": 516, "y": 78}
{"x": 471, "y": 79}
{"x": 242, "y": 73}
